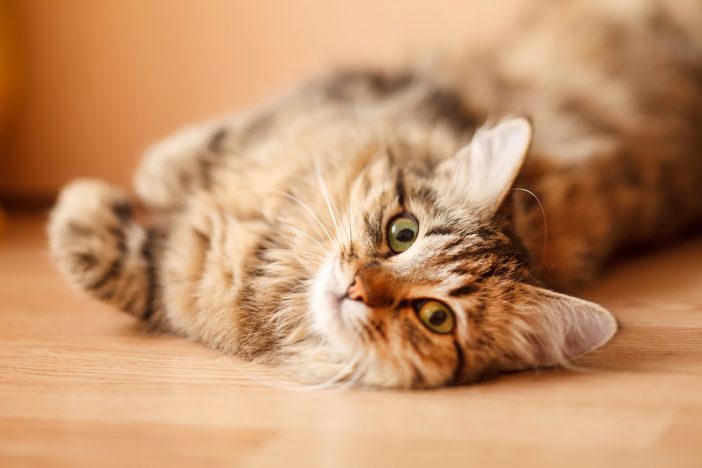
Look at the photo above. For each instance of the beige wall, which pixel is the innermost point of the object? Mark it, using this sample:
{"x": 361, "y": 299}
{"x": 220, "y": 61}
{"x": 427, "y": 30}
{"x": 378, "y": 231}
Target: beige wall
{"x": 103, "y": 78}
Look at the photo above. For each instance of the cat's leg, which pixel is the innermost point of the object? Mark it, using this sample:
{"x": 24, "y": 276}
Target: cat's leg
{"x": 178, "y": 165}
{"x": 101, "y": 249}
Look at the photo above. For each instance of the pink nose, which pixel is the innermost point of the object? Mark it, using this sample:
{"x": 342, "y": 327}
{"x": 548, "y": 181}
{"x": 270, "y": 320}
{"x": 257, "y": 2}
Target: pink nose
{"x": 356, "y": 291}
{"x": 372, "y": 285}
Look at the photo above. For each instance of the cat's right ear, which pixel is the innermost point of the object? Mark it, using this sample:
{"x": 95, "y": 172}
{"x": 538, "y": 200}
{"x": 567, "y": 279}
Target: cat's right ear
{"x": 483, "y": 171}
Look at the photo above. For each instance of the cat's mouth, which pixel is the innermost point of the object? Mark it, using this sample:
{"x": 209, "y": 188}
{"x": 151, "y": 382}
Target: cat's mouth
{"x": 334, "y": 314}
{"x": 330, "y": 285}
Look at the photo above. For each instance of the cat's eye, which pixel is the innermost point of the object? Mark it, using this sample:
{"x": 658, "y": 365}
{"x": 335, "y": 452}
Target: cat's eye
{"x": 436, "y": 316}
{"x": 402, "y": 232}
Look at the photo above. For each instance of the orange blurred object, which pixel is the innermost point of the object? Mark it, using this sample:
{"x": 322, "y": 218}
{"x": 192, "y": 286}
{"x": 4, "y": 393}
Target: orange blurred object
{"x": 102, "y": 80}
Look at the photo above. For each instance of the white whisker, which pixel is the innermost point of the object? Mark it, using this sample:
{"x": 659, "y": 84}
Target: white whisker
{"x": 325, "y": 192}
{"x": 309, "y": 237}
{"x": 348, "y": 207}
{"x": 543, "y": 216}
{"x": 326, "y": 195}
{"x": 307, "y": 209}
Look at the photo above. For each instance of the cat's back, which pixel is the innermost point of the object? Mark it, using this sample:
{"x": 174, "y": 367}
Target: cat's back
{"x": 589, "y": 73}
{"x": 614, "y": 91}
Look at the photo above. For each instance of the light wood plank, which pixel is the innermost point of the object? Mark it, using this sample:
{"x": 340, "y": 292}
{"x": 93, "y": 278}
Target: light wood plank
{"x": 83, "y": 385}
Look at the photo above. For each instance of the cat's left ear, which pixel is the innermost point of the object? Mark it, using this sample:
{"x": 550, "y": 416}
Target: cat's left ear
{"x": 484, "y": 170}
{"x": 563, "y": 327}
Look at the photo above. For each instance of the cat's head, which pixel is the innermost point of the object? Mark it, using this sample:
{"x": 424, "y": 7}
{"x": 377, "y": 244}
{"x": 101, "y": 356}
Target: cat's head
{"x": 427, "y": 289}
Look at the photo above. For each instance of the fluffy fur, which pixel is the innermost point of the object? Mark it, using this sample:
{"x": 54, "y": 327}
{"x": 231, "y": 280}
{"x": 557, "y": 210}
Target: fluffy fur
{"x": 269, "y": 237}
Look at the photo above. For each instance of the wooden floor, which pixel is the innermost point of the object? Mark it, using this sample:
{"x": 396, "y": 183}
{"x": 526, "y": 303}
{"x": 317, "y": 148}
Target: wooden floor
{"x": 83, "y": 385}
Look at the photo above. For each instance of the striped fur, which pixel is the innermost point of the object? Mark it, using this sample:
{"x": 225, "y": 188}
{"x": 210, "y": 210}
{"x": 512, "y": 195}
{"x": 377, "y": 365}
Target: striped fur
{"x": 262, "y": 222}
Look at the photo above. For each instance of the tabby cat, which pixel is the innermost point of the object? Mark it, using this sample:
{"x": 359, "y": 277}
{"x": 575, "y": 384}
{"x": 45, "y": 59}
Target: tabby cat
{"x": 400, "y": 228}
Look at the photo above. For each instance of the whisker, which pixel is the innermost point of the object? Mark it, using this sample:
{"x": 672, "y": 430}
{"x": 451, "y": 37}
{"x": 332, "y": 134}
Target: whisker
{"x": 326, "y": 195}
{"x": 543, "y": 216}
{"x": 309, "y": 237}
{"x": 306, "y": 208}
{"x": 335, "y": 381}
{"x": 347, "y": 186}
{"x": 320, "y": 256}
{"x": 309, "y": 256}
{"x": 325, "y": 192}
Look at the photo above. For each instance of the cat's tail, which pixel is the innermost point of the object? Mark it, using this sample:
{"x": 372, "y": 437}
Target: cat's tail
{"x": 96, "y": 244}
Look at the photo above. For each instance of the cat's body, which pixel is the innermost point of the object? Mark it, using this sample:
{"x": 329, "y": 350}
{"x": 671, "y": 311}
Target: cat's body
{"x": 276, "y": 232}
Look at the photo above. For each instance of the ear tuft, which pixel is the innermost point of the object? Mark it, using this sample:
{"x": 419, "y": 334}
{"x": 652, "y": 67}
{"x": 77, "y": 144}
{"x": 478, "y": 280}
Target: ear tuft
{"x": 511, "y": 139}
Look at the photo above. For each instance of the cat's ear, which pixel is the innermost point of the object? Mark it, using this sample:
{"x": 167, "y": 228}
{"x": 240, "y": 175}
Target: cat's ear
{"x": 483, "y": 171}
{"x": 565, "y": 327}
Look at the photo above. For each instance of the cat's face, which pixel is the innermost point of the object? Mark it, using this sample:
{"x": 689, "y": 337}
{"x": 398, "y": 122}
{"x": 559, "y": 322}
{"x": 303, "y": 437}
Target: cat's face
{"x": 424, "y": 289}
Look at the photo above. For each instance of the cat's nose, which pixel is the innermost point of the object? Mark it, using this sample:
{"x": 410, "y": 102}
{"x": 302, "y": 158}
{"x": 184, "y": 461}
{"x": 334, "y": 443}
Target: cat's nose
{"x": 372, "y": 286}
{"x": 356, "y": 291}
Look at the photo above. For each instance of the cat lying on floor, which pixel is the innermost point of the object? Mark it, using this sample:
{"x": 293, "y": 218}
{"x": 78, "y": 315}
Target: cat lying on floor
{"x": 372, "y": 229}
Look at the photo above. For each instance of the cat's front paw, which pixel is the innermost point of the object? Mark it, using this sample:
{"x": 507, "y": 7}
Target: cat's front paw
{"x": 96, "y": 244}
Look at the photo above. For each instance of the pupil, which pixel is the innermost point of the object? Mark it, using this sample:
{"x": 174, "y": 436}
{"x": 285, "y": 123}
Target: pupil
{"x": 405, "y": 235}
{"x": 437, "y": 317}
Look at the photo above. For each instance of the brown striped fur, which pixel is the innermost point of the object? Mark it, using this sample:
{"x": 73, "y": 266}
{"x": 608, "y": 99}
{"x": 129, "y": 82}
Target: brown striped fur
{"x": 264, "y": 222}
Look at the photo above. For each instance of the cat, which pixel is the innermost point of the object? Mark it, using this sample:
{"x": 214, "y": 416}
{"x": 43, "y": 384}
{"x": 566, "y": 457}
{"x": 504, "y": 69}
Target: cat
{"x": 407, "y": 228}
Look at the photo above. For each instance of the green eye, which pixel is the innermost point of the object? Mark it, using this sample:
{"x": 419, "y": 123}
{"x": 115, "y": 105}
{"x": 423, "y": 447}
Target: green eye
{"x": 402, "y": 232}
{"x": 436, "y": 316}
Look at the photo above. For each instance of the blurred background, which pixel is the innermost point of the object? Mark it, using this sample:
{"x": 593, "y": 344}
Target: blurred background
{"x": 86, "y": 85}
